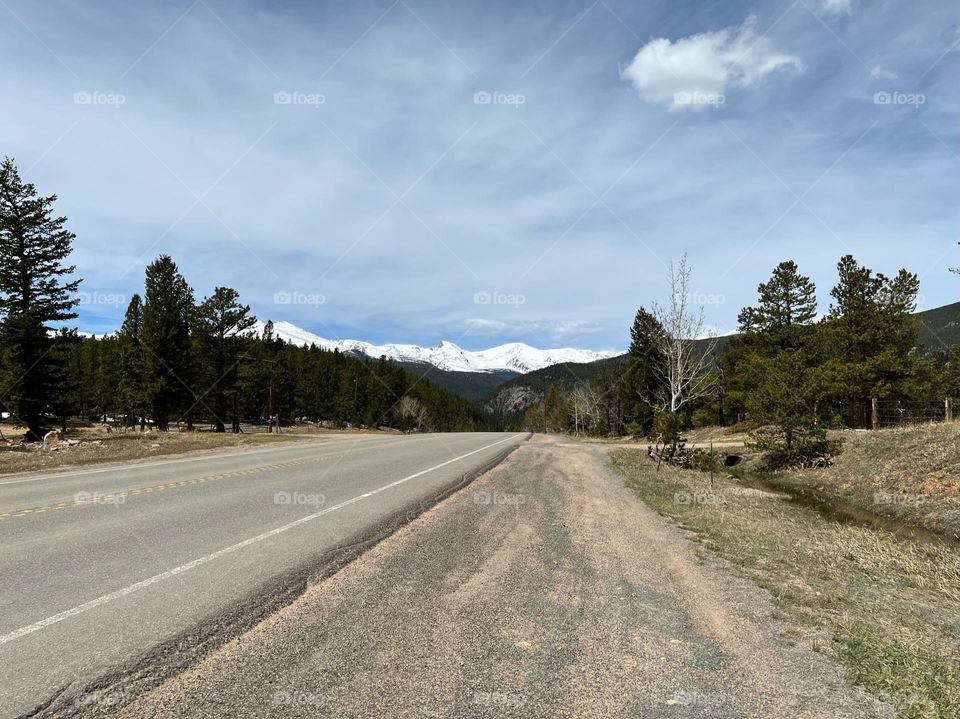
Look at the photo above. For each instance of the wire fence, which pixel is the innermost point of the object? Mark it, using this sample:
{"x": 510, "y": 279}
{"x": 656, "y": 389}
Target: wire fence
{"x": 899, "y": 413}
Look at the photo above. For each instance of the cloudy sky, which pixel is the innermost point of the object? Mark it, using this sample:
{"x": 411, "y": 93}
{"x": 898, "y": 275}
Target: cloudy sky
{"x": 486, "y": 172}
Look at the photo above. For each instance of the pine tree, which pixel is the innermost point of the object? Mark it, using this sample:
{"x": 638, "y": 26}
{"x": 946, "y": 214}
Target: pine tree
{"x": 165, "y": 338}
{"x": 870, "y": 334}
{"x": 641, "y": 376}
{"x": 222, "y": 325}
{"x": 770, "y": 370}
{"x": 34, "y": 292}
{"x": 131, "y": 391}
{"x": 784, "y": 401}
{"x": 787, "y": 302}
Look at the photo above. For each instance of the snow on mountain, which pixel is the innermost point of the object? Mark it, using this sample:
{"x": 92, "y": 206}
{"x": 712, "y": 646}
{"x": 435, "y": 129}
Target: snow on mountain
{"x": 515, "y": 356}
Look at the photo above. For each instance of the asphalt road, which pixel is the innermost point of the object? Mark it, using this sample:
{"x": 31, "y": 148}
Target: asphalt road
{"x": 117, "y": 578}
{"x": 544, "y": 590}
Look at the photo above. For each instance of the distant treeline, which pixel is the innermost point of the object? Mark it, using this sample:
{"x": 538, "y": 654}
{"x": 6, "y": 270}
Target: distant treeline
{"x": 787, "y": 374}
{"x": 174, "y": 360}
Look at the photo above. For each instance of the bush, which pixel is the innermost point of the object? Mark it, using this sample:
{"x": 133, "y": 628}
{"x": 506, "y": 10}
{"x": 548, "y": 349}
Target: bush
{"x": 807, "y": 450}
{"x": 741, "y": 427}
{"x": 666, "y": 428}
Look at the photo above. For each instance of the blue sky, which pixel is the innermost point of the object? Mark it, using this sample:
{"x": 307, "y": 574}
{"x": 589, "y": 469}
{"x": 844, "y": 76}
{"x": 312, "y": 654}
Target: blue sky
{"x": 413, "y": 171}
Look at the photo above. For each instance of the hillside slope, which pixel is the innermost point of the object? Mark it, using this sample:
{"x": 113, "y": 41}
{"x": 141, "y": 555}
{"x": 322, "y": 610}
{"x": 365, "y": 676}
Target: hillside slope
{"x": 941, "y": 327}
{"x": 472, "y": 386}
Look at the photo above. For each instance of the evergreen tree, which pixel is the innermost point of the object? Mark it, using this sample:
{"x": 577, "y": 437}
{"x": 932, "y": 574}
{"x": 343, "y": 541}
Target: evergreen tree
{"x": 870, "y": 334}
{"x": 222, "y": 325}
{"x": 34, "y": 292}
{"x": 165, "y": 339}
{"x": 770, "y": 371}
{"x": 641, "y": 376}
{"x": 784, "y": 401}
{"x": 787, "y": 303}
{"x": 132, "y": 370}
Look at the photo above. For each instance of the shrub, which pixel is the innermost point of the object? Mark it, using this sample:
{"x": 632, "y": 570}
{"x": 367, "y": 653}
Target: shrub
{"x": 741, "y": 427}
{"x": 807, "y": 450}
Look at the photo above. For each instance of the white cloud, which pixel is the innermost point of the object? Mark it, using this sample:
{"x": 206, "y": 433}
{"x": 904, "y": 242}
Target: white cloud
{"x": 696, "y": 71}
{"x": 836, "y": 7}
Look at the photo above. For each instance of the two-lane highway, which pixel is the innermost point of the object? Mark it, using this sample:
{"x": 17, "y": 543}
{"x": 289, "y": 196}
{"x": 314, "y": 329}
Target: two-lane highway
{"x": 128, "y": 572}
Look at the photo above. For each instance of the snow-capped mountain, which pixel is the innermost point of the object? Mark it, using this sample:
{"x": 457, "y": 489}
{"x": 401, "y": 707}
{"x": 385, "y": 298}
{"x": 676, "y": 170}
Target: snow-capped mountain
{"x": 513, "y": 357}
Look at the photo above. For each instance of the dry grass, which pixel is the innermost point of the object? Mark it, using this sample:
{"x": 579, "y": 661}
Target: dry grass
{"x": 96, "y": 448}
{"x": 893, "y": 605}
{"x": 911, "y": 474}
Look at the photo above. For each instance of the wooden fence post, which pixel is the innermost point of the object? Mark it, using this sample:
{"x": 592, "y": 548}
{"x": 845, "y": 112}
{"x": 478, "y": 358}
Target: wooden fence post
{"x": 874, "y": 414}
{"x": 948, "y": 409}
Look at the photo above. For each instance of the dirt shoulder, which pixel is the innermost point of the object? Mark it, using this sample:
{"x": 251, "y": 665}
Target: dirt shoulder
{"x": 544, "y": 589}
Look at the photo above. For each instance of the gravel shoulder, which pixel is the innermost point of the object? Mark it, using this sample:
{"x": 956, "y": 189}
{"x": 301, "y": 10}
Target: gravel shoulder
{"x": 543, "y": 589}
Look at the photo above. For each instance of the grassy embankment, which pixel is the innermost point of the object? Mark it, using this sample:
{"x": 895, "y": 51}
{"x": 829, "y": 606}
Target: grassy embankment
{"x": 892, "y": 604}
{"x": 911, "y": 475}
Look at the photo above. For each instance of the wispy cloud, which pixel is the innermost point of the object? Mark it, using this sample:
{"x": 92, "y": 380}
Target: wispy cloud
{"x": 557, "y": 331}
{"x": 299, "y": 127}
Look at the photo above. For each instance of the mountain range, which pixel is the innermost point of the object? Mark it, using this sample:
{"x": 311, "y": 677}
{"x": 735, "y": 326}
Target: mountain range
{"x": 512, "y": 358}
{"x": 513, "y": 375}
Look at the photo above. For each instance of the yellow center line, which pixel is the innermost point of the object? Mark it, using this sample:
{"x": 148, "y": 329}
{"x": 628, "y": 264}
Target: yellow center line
{"x": 112, "y": 498}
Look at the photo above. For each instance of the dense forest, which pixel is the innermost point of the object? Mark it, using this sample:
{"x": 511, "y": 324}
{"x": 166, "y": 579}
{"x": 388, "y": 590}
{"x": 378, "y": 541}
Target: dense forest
{"x": 174, "y": 361}
{"x": 788, "y": 375}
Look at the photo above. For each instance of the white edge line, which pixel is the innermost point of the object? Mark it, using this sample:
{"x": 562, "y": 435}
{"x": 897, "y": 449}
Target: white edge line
{"x": 93, "y": 603}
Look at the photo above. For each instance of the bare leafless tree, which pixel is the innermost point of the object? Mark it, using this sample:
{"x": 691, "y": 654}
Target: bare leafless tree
{"x": 585, "y": 401}
{"x": 686, "y": 373}
{"x": 413, "y": 409}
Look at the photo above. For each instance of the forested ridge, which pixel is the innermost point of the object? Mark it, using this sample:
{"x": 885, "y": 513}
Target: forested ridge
{"x": 792, "y": 371}
{"x": 176, "y": 360}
